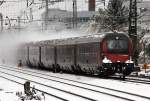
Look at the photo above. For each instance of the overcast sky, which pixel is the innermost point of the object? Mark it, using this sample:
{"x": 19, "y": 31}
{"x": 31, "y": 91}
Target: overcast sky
{"x": 14, "y": 9}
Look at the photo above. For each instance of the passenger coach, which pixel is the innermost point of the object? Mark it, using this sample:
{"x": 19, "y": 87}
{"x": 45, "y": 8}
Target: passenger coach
{"x": 100, "y": 54}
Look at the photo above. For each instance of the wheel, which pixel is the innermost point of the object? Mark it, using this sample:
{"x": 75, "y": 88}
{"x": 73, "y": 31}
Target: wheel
{"x": 53, "y": 68}
{"x": 123, "y": 77}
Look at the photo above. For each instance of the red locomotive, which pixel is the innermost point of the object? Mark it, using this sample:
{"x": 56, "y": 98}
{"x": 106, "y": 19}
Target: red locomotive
{"x": 100, "y": 54}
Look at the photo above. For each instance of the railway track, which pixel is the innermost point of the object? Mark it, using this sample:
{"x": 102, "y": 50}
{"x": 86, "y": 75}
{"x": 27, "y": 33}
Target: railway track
{"x": 137, "y": 80}
{"x": 132, "y": 79}
{"x": 49, "y": 94}
{"x": 80, "y": 97}
{"x": 81, "y": 83}
{"x": 128, "y": 79}
{"x": 90, "y": 99}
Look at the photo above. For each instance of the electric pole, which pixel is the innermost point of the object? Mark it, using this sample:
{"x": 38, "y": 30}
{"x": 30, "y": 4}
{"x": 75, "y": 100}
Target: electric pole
{"x": 74, "y": 14}
{"x": 31, "y": 15}
{"x": 1, "y": 19}
{"x": 46, "y": 14}
{"x": 27, "y": 3}
{"x": 19, "y": 27}
{"x": 133, "y": 27}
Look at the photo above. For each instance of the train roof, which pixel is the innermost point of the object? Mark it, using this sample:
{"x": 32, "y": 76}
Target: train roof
{"x": 75, "y": 40}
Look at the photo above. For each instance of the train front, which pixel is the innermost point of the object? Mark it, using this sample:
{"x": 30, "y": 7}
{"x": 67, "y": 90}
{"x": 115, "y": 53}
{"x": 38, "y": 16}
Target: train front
{"x": 117, "y": 54}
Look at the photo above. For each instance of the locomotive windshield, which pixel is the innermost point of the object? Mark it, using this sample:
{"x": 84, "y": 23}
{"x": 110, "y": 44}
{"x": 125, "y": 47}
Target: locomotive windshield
{"x": 118, "y": 46}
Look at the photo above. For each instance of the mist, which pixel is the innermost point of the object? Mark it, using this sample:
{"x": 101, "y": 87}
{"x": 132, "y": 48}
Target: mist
{"x": 11, "y": 40}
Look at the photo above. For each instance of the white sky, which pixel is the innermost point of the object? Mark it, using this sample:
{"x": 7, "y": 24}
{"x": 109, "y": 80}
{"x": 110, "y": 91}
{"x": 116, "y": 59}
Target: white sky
{"x": 12, "y": 9}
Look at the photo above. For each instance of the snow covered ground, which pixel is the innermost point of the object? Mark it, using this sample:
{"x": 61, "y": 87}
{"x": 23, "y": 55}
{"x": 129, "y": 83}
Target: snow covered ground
{"x": 144, "y": 73}
{"x": 8, "y": 89}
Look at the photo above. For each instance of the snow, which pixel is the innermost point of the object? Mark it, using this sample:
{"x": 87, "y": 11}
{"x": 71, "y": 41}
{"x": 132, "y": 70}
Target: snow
{"x": 8, "y": 90}
{"x": 144, "y": 73}
{"x": 8, "y": 86}
{"x": 105, "y": 60}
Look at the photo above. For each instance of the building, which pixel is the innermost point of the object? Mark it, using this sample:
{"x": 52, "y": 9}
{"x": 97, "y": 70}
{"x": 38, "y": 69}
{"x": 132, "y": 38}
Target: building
{"x": 66, "y": 17}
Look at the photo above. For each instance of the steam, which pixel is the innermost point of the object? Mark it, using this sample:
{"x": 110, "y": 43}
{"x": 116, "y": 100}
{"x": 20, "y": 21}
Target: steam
{"x": 10, "y": 41}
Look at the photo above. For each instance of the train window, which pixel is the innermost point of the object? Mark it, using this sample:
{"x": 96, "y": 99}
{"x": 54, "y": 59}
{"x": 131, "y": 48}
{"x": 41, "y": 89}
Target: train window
{"x": 117, "y": 46}
{"x": 48, "y": 53}
{"x": 87, "y": 61}
{"x": 88, "y": 50}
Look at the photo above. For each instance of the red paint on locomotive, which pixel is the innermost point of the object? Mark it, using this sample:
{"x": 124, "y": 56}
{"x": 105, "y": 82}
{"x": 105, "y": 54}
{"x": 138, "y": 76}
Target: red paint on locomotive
{"x": 116, "y": 57}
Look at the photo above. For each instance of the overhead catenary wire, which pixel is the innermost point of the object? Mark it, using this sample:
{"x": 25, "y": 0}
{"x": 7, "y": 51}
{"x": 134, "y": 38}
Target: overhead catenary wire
{"x": 9, "y": 1}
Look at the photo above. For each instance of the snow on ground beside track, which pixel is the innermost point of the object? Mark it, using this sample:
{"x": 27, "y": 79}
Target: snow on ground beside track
{"x": 63, "y": 95}
{"x": 136, "y": 88}
{"x": 8, "y": 90}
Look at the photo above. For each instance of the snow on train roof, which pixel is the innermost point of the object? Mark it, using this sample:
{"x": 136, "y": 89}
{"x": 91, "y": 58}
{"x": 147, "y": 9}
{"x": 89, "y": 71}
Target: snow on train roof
{"x": 75, "y": 40}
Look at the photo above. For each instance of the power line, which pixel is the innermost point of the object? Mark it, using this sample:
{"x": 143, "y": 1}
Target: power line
{"x": 8, "y": 1}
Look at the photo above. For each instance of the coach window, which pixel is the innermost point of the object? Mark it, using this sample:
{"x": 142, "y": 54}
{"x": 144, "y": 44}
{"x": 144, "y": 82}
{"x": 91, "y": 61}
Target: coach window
{"x": 81, "y": 51}
{"x": 87, "y": 61}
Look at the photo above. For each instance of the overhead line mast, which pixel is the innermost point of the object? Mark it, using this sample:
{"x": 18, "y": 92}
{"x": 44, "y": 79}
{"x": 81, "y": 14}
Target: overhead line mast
{"x": 1, "y": 20}
{"x": 46, "y": 14}
{"x": 74, "y": 13}
{"x": 133, "y": 27}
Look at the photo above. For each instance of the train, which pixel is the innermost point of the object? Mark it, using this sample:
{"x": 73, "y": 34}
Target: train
{"x": 103, "y": 54}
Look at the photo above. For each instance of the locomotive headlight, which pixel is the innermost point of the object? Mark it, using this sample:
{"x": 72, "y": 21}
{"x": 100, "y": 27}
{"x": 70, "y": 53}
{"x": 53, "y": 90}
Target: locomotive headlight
{"x": 106, "y": 60}
{"x": 129, "y": 61}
